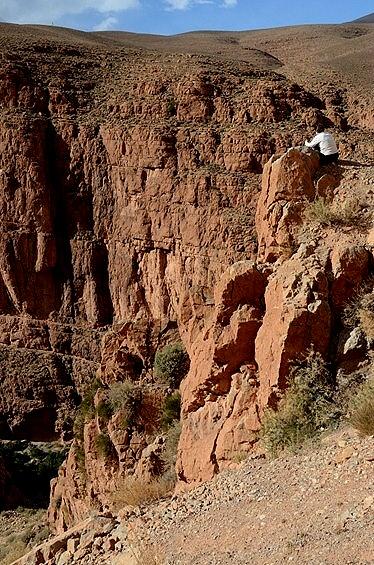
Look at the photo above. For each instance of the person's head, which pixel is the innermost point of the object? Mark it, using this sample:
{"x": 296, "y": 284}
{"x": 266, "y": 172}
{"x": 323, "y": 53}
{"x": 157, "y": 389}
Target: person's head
{"x": 320, "y": 128}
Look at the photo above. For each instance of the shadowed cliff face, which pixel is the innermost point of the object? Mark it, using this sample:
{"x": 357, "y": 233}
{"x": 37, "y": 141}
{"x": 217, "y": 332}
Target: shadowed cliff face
{"x": 128, "y": 187}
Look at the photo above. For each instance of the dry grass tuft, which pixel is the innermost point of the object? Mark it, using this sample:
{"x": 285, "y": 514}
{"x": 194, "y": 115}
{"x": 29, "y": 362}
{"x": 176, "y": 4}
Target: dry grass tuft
{"x": 140, "y": 552}
{"x": 136, "y": 492}
{"x": 362, "y": 408}
{"x": 360, "y": 311}
{"x": 347, "y": 213}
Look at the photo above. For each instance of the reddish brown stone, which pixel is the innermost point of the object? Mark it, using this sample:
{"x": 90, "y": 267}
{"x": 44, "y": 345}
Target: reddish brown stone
{"x": 287, "y": 186}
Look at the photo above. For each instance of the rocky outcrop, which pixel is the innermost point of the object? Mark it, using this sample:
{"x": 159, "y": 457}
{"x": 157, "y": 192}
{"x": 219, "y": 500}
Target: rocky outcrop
{"x": 221, "y": 386}
{"x": 116, "y": 207}
{"x": 289, "y": 304}
{"x": 287, "y": 185}
{"x": 297, "y": 320}
{"x": 118, "y": 222}
{"x": 350, "y": 266}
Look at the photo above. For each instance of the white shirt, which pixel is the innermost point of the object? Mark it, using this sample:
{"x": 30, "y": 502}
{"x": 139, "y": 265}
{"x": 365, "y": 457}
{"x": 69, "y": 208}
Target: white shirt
{"x": 326, "y": 142}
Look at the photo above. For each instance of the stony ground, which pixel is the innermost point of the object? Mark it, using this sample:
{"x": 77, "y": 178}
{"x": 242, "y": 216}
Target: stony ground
{"x": 316, "y": 507}
{"x": 20, "y": 529}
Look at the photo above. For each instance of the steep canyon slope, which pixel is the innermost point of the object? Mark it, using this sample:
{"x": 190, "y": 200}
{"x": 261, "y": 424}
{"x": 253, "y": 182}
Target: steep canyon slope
{"x": 130, "y": 174}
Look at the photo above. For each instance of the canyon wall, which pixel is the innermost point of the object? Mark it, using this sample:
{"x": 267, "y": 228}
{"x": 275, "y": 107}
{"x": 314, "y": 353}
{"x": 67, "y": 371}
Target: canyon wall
{"x": 132, "y": 215}
{"x": 128, "y": 201}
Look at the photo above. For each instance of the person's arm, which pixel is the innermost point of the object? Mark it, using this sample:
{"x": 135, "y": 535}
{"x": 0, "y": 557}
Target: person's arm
{"x": 315, "y": 141}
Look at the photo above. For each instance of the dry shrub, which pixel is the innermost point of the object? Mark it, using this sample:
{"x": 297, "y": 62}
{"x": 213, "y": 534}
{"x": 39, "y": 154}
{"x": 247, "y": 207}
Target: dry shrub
{"x": 134, "y": 491}
{"x": 360, "y": 311}
{"x": 318, "y": 211}
{"x": 306, "y": 407}
{"x": 366, "y": 318}
{"x": 362, "y": 408}
{"x": 346, "y": 213}
{"x": 139, "y": 406}
{"x": 126, "y": 397}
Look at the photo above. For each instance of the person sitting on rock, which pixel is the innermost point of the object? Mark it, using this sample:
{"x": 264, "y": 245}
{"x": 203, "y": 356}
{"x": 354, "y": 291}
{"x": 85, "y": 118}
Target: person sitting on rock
{"x": 324, "y": 143}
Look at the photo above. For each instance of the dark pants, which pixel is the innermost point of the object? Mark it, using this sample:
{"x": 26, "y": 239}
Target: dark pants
{"x": 327, "y": 159}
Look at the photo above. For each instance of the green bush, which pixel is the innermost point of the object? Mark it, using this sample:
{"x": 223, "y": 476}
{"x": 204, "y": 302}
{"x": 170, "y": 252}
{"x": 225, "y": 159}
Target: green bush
{"x": 104, "y": 410}
{"x": 104, "y": 445}
{"x": 362, "y": 408}
{"x": 171, "y": 364}
{"x": 171, "y": 409}
{"x": 306, "y": 408}
{"x": 126, "y": 397}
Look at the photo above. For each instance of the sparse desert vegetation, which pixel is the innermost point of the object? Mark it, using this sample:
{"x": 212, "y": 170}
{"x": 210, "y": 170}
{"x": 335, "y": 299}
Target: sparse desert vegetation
{"x": 306, "y": 408}
{"x": 171, "y": 364}
{"x": 362, "y": 408}
{"x": 134, "y": 491}
{"x": 336, "y": 213}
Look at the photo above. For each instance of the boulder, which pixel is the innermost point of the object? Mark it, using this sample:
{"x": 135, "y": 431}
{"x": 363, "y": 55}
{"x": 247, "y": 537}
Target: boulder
{"x": 287, "y": 186}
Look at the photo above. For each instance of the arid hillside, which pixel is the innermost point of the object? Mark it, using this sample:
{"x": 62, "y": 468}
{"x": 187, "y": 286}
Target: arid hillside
{"x": 366, "y": 19}
{"x": 161, "y": 269}
{"x": 309, "y": 55}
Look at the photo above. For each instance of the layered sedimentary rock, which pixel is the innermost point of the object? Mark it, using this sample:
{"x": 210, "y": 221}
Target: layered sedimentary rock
{"x": 128, "y": 197}
{"x": 120, "y": 204}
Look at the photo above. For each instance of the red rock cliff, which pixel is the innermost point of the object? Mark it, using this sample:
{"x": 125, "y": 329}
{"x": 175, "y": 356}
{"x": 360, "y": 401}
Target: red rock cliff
{"x": 128, "y": 197}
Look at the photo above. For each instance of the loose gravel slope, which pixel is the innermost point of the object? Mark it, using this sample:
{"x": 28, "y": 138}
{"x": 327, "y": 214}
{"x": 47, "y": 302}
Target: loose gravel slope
{"x": 316, "y": 507}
